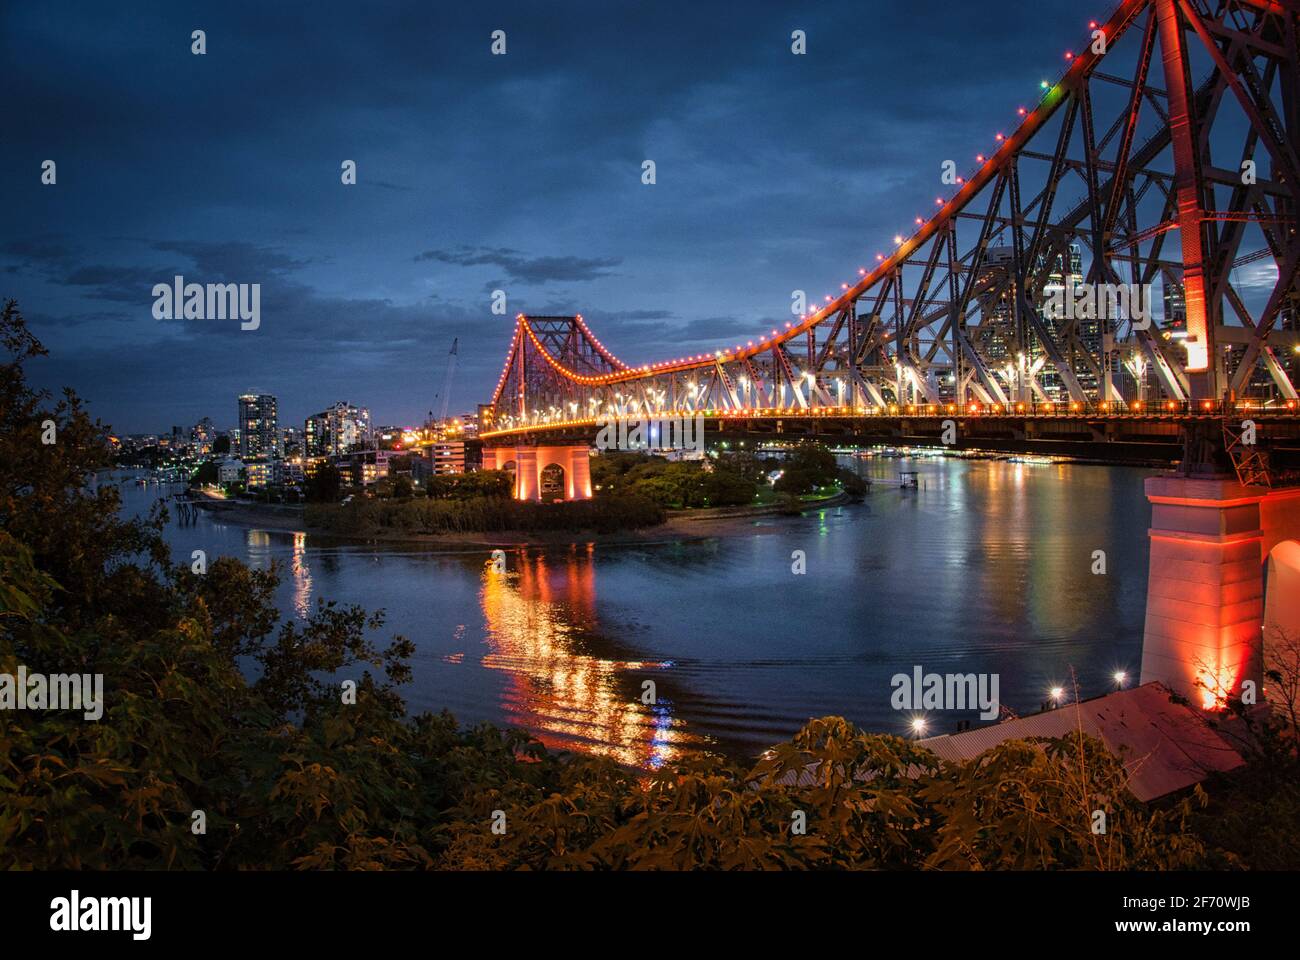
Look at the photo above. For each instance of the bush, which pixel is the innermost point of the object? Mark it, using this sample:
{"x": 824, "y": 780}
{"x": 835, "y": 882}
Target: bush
{"x": 484, "y": 515}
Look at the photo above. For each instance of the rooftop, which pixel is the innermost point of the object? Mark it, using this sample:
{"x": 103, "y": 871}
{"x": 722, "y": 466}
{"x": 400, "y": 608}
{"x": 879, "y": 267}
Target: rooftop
{"x": 1165, "y": 746}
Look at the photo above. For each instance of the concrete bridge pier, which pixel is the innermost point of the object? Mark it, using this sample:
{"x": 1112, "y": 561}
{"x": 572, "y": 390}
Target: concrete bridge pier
{"x": 544, "y": 473}
{"x": 1209, "y": 620}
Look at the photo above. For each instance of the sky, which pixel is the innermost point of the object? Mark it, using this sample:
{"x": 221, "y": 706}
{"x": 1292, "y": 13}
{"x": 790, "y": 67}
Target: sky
{"x": 475, "y": 172}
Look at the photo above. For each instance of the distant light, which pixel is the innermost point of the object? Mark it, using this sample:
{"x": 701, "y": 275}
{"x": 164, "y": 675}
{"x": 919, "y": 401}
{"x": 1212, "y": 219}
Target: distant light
{"x": 918, "y": 725}
{"x": 1044, "y": 85}
{"x": 1120, "y": 677}
{"x": 1057, "y": 693}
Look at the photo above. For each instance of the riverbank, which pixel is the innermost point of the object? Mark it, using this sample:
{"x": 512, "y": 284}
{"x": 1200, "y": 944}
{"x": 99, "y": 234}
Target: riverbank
{"x": 679, "y": 525}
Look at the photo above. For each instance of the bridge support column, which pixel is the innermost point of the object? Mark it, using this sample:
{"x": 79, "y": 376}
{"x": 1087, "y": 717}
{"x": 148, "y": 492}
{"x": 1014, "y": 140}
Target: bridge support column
{"x": 1205, "y": 590}
{"x": 531, "y": 462}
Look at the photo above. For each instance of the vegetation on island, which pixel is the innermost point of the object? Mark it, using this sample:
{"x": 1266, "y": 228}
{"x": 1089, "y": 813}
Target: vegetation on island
{"x": 632, "y": 490}
{"x": 221, "y": 711}
{"x": 481, "y": 514}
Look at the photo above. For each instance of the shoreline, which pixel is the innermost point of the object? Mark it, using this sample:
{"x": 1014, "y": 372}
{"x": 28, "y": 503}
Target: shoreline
{"x": 680, "y": 525}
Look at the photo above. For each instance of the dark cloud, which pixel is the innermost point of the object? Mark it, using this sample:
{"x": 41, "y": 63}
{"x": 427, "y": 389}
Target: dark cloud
{"x": 230, "y": 260}
{"x": 529, "y": 270}
{"x": 120, "y": 284}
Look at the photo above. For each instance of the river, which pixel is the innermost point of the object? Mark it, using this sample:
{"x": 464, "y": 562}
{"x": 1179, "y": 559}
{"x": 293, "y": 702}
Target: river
{"x": 987, "y": 567}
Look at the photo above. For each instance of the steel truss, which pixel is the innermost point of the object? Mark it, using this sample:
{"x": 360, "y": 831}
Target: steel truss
{"x": 1135, "y": 166}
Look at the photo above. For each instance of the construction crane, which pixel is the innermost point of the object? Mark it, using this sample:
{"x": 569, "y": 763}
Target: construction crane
{"x": 446, "y": 383}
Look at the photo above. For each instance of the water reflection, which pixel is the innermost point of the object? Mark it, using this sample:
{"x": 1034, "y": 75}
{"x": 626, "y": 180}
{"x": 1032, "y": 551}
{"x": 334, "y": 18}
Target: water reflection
{"x": 301, "y": 575}
{"x": 541, "y": 626}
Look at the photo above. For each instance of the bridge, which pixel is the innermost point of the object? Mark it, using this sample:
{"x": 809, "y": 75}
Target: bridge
{"x": 1164, "y": 161}
{"x": 1126, "y": 175}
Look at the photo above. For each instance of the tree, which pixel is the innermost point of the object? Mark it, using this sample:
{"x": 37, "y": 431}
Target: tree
{"x": 816, "y": 462}
{"x": 403, "y": 488}
{"x": 795, "y": 481}
{"x": 722, "y": 488}
{"x": 206, "y": 475}
{"x": 83, "y": 591}
{"x": 323, "y": 485}
{"x": 852, "y": 484}
{"x": 482, "y": 483}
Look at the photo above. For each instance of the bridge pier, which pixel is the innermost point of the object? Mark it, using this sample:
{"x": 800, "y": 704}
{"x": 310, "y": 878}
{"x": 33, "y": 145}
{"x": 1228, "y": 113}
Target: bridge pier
{"x": 544, "y": 473}
{"x": 1212, "y": 545}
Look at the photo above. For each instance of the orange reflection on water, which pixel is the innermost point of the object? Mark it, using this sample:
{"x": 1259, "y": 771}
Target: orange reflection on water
{"x": 301, "y": 576}
{"x": 540, "y": 619}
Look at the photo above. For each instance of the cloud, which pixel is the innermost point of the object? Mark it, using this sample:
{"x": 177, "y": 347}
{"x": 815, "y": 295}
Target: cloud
{"x": 532, "y": 271}
{"x": 115, "y": 283}
{"x": 235, "y": 261}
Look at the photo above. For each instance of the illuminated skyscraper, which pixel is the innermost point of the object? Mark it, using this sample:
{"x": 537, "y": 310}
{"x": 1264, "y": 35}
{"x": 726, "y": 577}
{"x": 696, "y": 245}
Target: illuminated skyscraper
{"x": 259, "y": 434}
{"x": 339, "y": 429}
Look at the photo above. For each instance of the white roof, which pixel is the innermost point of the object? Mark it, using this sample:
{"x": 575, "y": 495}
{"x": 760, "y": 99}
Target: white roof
{"x": 1165, "y": 746}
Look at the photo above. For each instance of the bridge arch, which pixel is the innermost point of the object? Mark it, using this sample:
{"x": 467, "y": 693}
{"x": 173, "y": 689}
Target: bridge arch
{"x": 511, "y": 467}
{"x": 553, "y": 482}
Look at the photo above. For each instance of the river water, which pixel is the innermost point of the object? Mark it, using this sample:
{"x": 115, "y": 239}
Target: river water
{"x": 986, "y": 568}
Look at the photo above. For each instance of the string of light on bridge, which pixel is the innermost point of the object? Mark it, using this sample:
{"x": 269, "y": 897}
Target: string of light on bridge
{"x": 1062, "y": 409}
{"x": 967, "y": 188}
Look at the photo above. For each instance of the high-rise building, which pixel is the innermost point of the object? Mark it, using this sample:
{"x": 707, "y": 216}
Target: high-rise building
{"x": 339, "y": 429}
{"x": 202, "y": 435}
{"x": 1175, "y": 306}
{"x": 291, "y": 442}
{"x": 259, "y": 433}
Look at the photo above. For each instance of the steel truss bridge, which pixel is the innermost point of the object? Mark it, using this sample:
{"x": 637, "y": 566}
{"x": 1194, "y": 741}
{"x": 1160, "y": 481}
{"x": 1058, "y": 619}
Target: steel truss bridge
{"x": 1165, "y": 159}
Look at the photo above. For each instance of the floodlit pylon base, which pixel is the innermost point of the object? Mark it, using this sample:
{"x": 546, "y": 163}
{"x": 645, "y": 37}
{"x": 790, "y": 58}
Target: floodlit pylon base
{"x": 1205, "y": 588}
{"x": 544, "y": 473}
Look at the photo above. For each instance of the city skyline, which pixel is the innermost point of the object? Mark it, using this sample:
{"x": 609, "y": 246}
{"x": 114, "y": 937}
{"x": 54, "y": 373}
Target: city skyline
{"x": 450, "y": 208}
